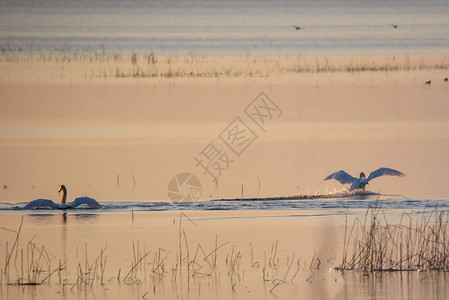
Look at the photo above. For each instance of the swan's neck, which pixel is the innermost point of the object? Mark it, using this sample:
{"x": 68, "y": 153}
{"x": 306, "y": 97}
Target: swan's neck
{"x": 64, "y": 195}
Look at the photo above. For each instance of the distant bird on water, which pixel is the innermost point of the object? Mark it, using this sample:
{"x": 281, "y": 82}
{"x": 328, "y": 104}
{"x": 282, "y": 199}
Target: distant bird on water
{"x": 445, "y": 79}
{"x": 394, "y": 26}
{"x": 297, "y": 27}
{"x": 360, "y": 183}
{"x": 429, "y": 82}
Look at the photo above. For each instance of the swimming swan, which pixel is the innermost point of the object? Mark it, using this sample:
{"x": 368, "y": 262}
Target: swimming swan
{"x": 360, "y": 183}
{"x": 45, "y": 203}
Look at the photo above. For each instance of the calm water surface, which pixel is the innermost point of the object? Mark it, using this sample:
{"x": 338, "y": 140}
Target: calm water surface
{"x": 344, "y": 27}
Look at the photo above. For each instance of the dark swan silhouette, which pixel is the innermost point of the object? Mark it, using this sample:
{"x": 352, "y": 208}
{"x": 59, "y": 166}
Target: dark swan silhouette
{"x": 360, "y": 183}
{"x": 45, "y": 203}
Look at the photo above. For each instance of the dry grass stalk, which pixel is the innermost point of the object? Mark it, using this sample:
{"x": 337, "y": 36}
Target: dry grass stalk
{"x": 13, "y": 247}
{"x": 131, "y": 273}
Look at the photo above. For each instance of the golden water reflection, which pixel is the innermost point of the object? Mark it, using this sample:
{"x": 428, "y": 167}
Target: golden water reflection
{"x": 313, "y": 240}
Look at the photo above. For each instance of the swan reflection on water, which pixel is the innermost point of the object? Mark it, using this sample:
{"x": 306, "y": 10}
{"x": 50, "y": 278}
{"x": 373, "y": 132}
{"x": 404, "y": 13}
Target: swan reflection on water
{"x": 49, "y": 204}
{"x": 45, "y": 217}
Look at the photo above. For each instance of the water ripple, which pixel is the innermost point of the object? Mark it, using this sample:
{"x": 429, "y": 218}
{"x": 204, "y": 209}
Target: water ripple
{"x": 249, "y": 204}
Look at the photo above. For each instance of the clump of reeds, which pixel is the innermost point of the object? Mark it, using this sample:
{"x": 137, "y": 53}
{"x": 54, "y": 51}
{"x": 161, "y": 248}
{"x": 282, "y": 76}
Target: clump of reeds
{"x": 214, "y": 265}
{"x": 374, "y": 245}
{"x": 148, "y": 65}
{"x": 91, "y": 272}
{"x": 32, "y": 264}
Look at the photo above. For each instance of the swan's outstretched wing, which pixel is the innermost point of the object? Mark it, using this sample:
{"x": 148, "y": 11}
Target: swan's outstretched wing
{"x": 384, "y": 171}
{"x": 41, "y": 203}
{"x": 92, "y": 203}
{"x": 341, "y": 176}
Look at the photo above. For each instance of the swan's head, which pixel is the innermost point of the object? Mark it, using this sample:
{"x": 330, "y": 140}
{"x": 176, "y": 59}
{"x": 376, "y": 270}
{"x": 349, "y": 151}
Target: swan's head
{"x": 362, "y": 175}
{"x": 61, "y": 188}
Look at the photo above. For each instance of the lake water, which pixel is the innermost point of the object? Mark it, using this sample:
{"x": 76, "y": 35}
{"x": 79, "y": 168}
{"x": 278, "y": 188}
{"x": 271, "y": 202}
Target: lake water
{"x": 344, "y": 27}
{"x": 398, "y": 204}
{"x": 109, "y": 243}
{"x": 123, "y": 141}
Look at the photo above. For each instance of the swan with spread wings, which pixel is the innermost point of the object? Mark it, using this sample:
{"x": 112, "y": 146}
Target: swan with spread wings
{"x": 360, "y": 183}
{"x": 45, "y": 203}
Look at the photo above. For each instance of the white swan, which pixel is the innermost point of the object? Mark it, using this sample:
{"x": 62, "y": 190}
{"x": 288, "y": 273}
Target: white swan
{"x": 45, "y": 203}
{"x": 360, "y": 183}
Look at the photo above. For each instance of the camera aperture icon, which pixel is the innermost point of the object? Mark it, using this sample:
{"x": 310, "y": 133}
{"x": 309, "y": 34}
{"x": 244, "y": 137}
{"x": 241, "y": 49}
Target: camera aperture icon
{"x": 184, "y": 187}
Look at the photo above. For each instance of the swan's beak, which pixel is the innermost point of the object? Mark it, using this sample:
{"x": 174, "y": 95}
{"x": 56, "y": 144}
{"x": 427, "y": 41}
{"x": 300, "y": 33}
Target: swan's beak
{"x": 60, "y": 189}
